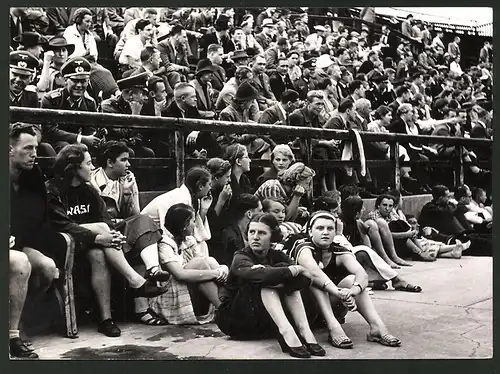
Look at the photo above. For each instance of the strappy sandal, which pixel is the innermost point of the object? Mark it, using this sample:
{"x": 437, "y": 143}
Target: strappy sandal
{"x": 342, "y": 342}
{"x": 151, "y": 318}
{"x": 388, "y": 340}
{"x": 409, "y": 288}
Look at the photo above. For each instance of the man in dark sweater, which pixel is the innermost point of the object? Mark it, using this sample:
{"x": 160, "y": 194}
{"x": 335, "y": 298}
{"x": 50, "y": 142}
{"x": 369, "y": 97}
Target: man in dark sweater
{"x": 28, "y": 231}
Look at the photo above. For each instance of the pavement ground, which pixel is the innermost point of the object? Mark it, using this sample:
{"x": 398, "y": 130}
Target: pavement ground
{"x": 451, "y": 318}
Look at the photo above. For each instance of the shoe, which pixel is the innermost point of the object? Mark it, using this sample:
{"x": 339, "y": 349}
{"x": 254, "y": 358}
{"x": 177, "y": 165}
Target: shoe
{"x": 155, "y": 274}
{"x": 342, "y": 342}
{"x": 388, "y": 340}
{"x": 149, "y": 289}
{"x": 109, "y": 328}
{"x": 18, "y": 349}
{"x": 313, "y": 348}
{"x": 299, "y": 352}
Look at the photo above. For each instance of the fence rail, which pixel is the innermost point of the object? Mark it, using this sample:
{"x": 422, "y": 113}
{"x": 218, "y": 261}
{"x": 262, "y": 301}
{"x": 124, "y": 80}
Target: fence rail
{"x": 181, "y": 125}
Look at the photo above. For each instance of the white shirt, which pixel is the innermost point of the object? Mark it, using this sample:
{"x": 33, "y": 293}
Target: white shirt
{"x": 455, "y": 68}
{"x": 132, "y": 48}
{"x": 72, "y": 36}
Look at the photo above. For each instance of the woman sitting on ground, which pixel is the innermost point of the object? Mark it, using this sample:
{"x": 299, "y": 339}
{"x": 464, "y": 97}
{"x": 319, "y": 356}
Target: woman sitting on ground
{"x": 413, "y": 247}
{"x": 378, "y": 232}
{"x": 379, "y": 272}
{"x": 194, "y": 192}
{"x": 193, "y": 273}
{"x": 338, "y": 279}
{"x": 76, "y": 208}
{"x": 295, "y": 182}
{"x": 118, "y": 188}
{"x": 281, "y": 159}
{"x": 262, "y": 282}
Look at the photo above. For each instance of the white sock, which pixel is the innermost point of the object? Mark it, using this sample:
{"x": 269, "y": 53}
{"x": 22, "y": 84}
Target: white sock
{"x": 13, "y": 334}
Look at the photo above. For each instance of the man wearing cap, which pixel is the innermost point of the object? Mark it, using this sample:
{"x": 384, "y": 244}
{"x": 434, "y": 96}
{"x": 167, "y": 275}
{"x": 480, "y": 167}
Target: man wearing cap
{"x": 73, "y": 96}
{"x": 220, "y": 37}
{"x": 266, "y": 97}
{"x": 204, "y": 91}
{"x": 239, "y": 111}
{"x": 266, "y": 37}
{"x": 379, "y": 94}
{"x": 239, "y": 58}
{"x": 304, "y": 84}
{"x": 22, "y": 71}
{"x": 32, "y": 42}
{"x": 54, "y": 58}
{"x": 133, "y": 95}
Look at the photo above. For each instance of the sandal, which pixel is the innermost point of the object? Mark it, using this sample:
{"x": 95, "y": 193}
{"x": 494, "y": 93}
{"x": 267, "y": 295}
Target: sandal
{"x": 342, "y": 342}
{"x": 388, "y": 340}
{"x": 409, "y": 288}
{"x": 151, "y": 318}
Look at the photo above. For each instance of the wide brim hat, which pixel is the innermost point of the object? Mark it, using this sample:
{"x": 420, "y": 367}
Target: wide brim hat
{"x": 246, "y": 92}
{"x": 239, "y": 55}
{"x": 324, "y": 61}
{"x": 204, "y": 65}
{"x": 60, "y": 42}
{"x": 30, "y": 39}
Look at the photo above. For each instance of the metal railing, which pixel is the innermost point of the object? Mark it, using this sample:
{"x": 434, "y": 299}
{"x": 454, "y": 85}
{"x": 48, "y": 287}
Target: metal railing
{"x": 180, "y": 126}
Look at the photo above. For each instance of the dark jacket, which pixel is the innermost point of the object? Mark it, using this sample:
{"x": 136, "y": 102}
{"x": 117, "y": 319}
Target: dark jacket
{"x": 441, "y": 217}
{"x": 59, "y": 19}
{"x": 71, "y": 206}
{"x": 14, "y": 31}
{"x": 205, "y": 41}
{"x": 29, "y": 210}
{"x": 279, "y": 85}
{"x": 59, "y": 99}
{"x": 232, "y": 241}
{"x": 27, "y": 99}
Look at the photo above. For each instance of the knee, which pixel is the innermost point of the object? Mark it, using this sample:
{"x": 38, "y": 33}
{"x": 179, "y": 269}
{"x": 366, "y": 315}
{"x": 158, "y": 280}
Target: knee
{"x": 19, "y": 265}
{"x": 382, "y": 223}
{"x": 362, "y": 257}
{"x": 47, "y": 269}
{"x": 102, "y": 227}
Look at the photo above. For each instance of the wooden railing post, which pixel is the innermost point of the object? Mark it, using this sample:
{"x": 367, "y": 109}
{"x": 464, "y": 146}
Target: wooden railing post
{"x": 179, "y": 158}
{"x": 459, "y": 169}
{"x": 397, "y": 169}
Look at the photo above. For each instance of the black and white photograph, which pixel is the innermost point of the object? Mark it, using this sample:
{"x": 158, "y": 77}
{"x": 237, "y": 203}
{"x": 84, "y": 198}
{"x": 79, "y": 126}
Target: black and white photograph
{"x": 245, "y": 183}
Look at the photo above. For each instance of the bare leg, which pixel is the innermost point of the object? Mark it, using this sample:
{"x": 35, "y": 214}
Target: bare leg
{"x": 19, "y": 275}
{"x": 100, "y": 278}
{"x": 296, "y": 308}
{"x": 208, "y": 289}
{"x": 325, "y": 307}
{"x": 386, "y": 235}
{"x": 141, "y": 303}
{"x": 212, "y": 263}
{"x": 272, "y": 302}
{"x": 377, "y": 245}
{"x": 116, "y": 257}
{"x": 43, "y": 270}
{"x": 366, "y": 308}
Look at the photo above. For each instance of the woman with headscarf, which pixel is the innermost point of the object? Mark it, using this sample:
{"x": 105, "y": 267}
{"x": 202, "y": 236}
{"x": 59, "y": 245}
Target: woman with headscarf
{"x": 295, "y": 182}
{"x": 339, "y": 281}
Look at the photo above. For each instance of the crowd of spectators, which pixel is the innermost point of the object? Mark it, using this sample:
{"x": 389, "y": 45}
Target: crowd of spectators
{"x": 229, "y": 246}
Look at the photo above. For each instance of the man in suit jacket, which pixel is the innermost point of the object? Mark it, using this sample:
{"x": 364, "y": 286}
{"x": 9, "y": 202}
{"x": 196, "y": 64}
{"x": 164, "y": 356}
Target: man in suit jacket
{"x": 18, "y": 23}
{"x": 279, "y": 80}
{"x": 221, "y": 37}
{"x": 279, "y": 113}
{"x": 261, "y": 82}
{"x": 484, "y": 53}
{"x": 406, "y": 27}
{"x": 214, "y": 54}
{"x": 266, "y": 37}
{"x": 59, "y": 19}
{"x": 454, "y": 48}
{"x": 403, "y": 95}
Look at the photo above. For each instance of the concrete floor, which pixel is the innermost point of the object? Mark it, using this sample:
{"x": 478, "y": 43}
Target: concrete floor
{"x": 451, "y": 318}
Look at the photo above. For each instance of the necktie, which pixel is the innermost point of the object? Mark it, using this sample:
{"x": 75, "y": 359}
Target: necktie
{"x": 19, "y": 26}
